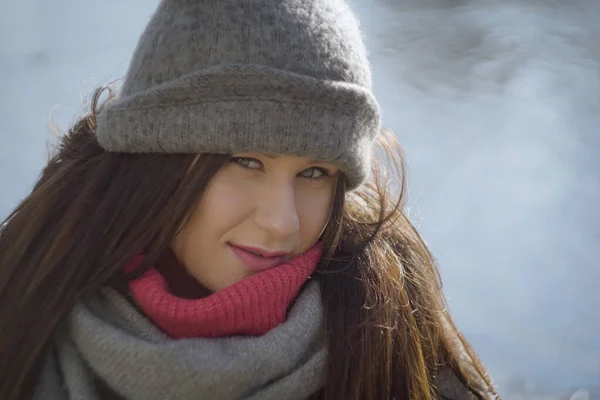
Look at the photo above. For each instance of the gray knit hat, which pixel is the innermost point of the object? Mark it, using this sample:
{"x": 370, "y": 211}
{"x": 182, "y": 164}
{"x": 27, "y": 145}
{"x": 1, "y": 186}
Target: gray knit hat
{"x": 270, "y": 76}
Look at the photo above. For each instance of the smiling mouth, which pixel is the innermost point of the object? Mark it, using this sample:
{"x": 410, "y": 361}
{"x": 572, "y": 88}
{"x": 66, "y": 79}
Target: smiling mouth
{"x": 257, "y": 259}
{"x": 260, "y": 252}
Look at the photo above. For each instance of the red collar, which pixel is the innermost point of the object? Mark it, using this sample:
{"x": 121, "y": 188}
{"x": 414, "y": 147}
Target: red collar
{"x": 251, "y": 306}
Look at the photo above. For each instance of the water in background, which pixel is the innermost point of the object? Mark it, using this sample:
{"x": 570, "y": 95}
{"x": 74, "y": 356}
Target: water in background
{"x": 497, "y": 104}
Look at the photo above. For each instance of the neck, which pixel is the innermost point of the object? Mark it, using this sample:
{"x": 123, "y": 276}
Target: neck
{"x": 180, "y": 282}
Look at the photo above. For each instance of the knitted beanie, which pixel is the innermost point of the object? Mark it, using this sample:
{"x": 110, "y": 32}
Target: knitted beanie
{"x": 269, "y": 76}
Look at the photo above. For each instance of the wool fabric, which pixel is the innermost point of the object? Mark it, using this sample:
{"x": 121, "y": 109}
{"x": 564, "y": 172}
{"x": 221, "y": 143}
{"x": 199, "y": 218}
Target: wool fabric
{"x": 107, "y": 349}
{"x": 277, "y": 77}
{"x": 251, "y": 306}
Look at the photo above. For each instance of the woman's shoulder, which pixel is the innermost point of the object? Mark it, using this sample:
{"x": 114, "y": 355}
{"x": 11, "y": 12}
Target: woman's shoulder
{"x": 452, "y": 388}
{"x": 49, "y": 381}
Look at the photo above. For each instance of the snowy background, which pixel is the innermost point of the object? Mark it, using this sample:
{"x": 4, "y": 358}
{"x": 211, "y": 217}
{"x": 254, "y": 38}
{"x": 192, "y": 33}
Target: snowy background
{"x": 497, "y": 103}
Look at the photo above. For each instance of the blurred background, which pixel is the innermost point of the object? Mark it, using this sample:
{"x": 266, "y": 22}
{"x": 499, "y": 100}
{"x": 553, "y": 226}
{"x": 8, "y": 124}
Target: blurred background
{"x": 497, "y": 104}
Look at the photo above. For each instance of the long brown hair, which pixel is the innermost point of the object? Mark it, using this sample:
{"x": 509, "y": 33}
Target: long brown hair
{"x": 389, "y": 332}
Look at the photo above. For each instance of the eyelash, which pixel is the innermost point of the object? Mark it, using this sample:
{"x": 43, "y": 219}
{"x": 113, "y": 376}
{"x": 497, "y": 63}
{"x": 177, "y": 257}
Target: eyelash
{"x": 325, "y": 173}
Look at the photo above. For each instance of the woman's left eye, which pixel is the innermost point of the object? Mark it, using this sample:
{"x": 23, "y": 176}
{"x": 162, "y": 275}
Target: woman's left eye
{"x": 247, "y": 162}
{"x": 314, "y": 173}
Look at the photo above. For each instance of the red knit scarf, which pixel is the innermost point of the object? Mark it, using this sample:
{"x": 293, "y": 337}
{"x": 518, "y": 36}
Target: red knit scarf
{"x": 251, "y": 306}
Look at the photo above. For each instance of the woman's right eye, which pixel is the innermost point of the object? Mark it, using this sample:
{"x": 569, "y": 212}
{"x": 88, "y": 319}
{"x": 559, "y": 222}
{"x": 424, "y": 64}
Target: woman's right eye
{"x": 247, "y": 162}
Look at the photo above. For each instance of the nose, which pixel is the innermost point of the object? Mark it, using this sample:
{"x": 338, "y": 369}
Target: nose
{"x": 277, "y": 211}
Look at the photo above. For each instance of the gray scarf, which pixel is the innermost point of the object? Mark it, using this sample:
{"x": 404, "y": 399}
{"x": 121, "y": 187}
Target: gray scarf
{"x": 108, "y": 343}
{"x": 109, "y": 349}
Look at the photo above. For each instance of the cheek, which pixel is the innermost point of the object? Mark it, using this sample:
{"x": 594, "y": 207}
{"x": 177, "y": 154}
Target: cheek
{"x": 314, "y": 209}
{"x": 223, "y": 204}
{"x": 222, "y": 207}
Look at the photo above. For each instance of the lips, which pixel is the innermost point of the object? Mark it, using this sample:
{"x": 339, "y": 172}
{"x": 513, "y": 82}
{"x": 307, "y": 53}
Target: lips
{"x": 258, "y": 259}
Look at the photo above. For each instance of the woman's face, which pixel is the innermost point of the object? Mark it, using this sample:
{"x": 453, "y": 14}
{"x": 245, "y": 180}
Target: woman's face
{"x": 257, "y": 211}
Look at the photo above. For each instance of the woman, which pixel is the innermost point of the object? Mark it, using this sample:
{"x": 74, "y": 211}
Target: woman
{"x": 213, "y": 233}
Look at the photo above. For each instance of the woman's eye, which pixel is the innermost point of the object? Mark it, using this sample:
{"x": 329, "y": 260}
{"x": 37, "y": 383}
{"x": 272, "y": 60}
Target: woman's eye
{"x": 314, "y": 173}
{"x": 247, "y": 162}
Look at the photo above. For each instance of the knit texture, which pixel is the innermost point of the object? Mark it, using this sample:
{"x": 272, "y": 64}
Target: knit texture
{"x": 251, "y": 306}
{"x": 107, "y": 349}
{"x": 281, "y": 77}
